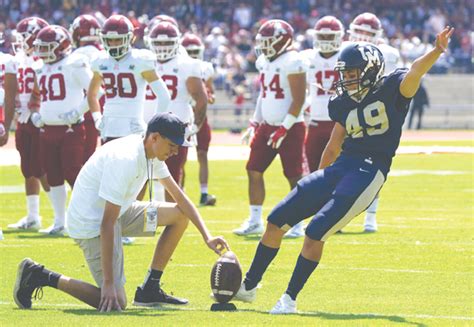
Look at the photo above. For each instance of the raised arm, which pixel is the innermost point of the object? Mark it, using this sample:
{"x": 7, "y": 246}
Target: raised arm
{"x": 423, "y": 64}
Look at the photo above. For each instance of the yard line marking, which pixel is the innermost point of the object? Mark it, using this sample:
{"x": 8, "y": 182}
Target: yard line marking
{"x": 164, "y": 308}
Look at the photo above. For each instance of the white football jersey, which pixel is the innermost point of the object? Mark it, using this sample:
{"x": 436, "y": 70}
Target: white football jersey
{"x": 91, "y": 52}
{"x": 62, "y": 87}
{"x": 25, "y": 77}
{"x": 391, "y": 57}
{"x": 8, "y": 65}
{"x": 275, "y": 90}
{"x": 321, "y": 78}
{"x": 207, "y": 70}
{"x": 124, "y": 91}
{"x": 175, "y": 73}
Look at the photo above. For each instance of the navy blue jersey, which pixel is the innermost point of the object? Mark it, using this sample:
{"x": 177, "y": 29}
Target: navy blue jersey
{"x": 373, "y": 126}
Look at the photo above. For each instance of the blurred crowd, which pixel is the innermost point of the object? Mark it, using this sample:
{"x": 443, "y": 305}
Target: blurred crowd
{"x": 228, "y": 27}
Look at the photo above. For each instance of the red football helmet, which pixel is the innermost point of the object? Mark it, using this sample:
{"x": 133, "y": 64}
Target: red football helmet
{"x": 365, "y": 28}
{"x": 29, "y": 28}
{"x": 193, "y": 45}
{"x": 155, "y": 20}
{"x": 52, "y": 43}
{"x": 273, "y": 38}
{"x": 164, "y": 40}
{"x": 117, "y": 27}
{"x": 85, "y": 28}
{"x": 328, "y": 34}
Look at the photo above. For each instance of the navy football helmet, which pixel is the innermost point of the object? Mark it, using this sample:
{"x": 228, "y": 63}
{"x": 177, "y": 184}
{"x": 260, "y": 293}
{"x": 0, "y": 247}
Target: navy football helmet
{"x": 369, "y": 62}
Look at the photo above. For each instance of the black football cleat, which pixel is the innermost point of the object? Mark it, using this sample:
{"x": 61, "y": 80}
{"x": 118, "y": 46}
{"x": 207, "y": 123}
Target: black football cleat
{"x": 207, "y": 200}
{"x": 154, "y": 297}
{"x": 27, "y": 282}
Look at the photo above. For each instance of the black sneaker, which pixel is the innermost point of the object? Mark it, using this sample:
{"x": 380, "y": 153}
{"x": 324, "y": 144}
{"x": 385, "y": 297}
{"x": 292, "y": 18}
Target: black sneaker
{"x": 154, "y": 297}
{"x": 207, "y": 199}
{"x": 27, "y": 282}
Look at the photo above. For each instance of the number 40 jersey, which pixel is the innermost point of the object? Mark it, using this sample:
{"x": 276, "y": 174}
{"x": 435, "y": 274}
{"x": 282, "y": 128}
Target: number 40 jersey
{"x": 373, "y": 126}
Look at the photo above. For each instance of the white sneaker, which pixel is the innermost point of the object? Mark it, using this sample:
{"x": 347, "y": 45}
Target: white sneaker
{"x": 246, "y": 296}
{"x": 248, "y": 229}
{"x": 370, "y": 223}
{"x": 285, "y": 305}
{"x": 23, "y": 223}
{"x": 295, "y": 231}
{"x": 128, "y": 240}
{"x": 53, "y": 230}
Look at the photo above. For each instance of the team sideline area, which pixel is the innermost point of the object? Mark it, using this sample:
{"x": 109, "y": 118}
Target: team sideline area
{"x": 416, "y": 270}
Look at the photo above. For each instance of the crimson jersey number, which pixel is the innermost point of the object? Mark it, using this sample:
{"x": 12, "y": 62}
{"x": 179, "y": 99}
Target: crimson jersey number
{"x": 26, "y": 80}
{"x": 52, "y": 87}
{"x": 273, "y": 86}
{"x": 324, "y": 79}
{"x": 122, "y": 84}
{"x": 171, "y": 82}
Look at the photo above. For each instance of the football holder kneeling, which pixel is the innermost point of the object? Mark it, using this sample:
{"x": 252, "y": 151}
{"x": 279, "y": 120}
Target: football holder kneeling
{"x": 226, "y": 277}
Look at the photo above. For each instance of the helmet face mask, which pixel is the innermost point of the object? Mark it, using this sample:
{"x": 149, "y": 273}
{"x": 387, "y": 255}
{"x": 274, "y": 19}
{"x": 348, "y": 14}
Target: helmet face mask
{"x": 52, "y": 44}
{"x": 360, "y": 67}
{"x": 17, "y": 42}
{"x": 164, "y": 41}
{"x": 117, "y": 36}
{"x": 328, "y": 34}
{"x": 273, "y": 39}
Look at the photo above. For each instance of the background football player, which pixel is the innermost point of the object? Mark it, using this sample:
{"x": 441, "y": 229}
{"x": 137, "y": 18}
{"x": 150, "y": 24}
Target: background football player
{"x": 195, "y": 49}
{"x": 366, "y": 27}
{"x": 85, "y": 31}
{"x": 278, "y": 119}
{"x": 60, "y": 83}
{"x": 27, "y": 135}
{"x": 182, "y": 75}
{"x": 369, "y": 111}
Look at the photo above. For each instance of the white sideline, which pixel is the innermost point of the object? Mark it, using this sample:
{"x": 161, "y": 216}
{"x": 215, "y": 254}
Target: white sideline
{"x": 375, "y": 315}
{"x": 10, "y": 157}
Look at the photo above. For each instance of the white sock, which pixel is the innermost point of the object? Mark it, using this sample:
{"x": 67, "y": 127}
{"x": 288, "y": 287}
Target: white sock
{"x": 158, "y": 191}
{"x": 255, "y": 214}
{"x": 371, "y": 212}
{"x": 58, "y": 201}
{"x": 204, "y": 188}
{"x": 32, "y": 205}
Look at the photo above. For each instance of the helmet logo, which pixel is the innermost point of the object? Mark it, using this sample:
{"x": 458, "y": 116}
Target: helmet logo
{"x": 370, "y": 55}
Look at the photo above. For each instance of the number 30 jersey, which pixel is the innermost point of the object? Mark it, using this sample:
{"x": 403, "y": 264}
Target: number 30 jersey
{"x": 62, "y": 86}
{"x": 275, "y": 89}
{"x": 124, "y": 91}
{"x": 321, "y": 79}
{"x": 373, "y": 126}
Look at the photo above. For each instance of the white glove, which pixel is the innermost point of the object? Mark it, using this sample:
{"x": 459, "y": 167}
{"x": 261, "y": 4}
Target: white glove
{"x": 98, "y": 121}
{"x": 191, "y": 130}
{"x": 23, "y": 115}
{"x": 71, "y": 117}
{"x": 249, "y": 133}
{"x": 36, "y": 120}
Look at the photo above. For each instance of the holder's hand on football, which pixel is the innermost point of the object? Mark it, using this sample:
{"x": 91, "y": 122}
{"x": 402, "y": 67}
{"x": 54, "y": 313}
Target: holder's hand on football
{"x": 36, "y": 120}
{"x": 249, "y": 134}
{"x": 442, "y": 39}
{"x": 217, "y": 244}
{"x": 277, "y": 137}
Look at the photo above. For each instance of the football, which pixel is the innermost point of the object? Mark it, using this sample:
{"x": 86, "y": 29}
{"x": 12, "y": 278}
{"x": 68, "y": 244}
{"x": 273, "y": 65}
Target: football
{"x": 226, "y": 277}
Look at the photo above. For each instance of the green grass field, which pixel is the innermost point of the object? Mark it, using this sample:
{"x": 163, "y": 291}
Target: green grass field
{"x": 417, "y": 270}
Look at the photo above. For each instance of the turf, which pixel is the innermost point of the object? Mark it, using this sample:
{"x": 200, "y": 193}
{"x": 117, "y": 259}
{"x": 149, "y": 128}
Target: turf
{"x": 417, "y": 270}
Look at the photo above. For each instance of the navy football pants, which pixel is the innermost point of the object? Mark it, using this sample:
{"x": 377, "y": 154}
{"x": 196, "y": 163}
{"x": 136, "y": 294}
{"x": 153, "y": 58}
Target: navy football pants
{"x": 334, "y": 196}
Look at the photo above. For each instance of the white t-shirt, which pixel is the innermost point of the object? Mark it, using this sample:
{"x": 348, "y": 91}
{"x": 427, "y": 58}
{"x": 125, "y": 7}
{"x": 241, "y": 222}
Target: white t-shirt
{"x": 275, "y": 89}
{"x": 321, "y": 79}
{"x": 116, "y": 172}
